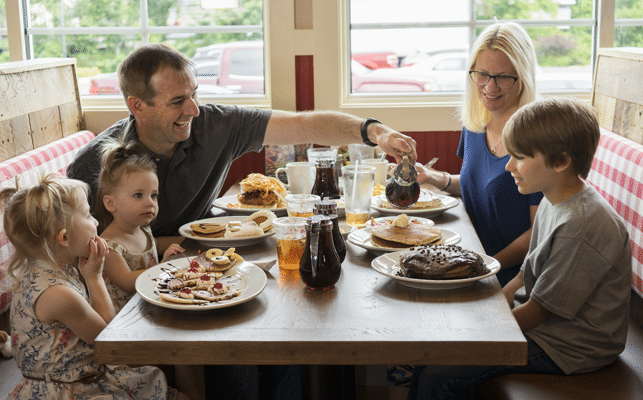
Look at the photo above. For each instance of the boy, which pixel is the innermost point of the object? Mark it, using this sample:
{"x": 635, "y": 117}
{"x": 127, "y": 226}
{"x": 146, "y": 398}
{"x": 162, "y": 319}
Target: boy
{"x": 571, "y": 297}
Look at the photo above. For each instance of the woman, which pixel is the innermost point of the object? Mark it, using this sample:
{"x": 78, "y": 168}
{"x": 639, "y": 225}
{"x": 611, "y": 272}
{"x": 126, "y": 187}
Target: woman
{"x": 501, "y": 79}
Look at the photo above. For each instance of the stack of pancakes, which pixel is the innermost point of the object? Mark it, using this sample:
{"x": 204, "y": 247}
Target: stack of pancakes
{"x": 442, "y": 262}
{"x": 401, "y": 234}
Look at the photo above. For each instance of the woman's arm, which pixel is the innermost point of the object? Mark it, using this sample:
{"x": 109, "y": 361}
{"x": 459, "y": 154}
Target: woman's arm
{"x": 515, "y": 252}
{"x": 441, "y": 180}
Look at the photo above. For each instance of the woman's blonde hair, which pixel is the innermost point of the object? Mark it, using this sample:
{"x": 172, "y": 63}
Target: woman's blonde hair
{"x": 120, "y": 158}
{"x": 34, "y": 215}
{"x": 512, "y": 40}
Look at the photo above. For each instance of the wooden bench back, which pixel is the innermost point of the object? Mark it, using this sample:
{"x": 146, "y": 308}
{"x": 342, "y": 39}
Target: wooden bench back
{"x": 39, "y": 104}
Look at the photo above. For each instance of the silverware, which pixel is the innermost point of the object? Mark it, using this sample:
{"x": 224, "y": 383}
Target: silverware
{"x": 430, "y": 163}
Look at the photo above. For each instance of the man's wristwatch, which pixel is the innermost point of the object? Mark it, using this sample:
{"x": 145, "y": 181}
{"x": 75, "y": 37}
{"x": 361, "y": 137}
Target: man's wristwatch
{"x": 365, "y": 125}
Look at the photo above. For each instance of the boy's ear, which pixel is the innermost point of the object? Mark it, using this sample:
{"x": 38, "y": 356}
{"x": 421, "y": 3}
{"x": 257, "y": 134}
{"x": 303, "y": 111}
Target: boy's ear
{"x": 563, "y": 165}
{"x": 108, "y": 202}
{"x": 62, "y": 238}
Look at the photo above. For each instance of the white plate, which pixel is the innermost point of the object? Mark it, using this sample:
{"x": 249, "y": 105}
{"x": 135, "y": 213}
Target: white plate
{"x": 362, "y": 238}
{"x": 447, "y": 203}
{"x": 185, "y": 231}
{"x": 388, "y": 264}
{"x": 252, "y": 281}
{"x": 417, "y": 220}
{"x": 233, "y": 207}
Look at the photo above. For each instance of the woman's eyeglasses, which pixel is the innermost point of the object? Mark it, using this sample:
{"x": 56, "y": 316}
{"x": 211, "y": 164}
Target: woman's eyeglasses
{"x": 482, "y": 78}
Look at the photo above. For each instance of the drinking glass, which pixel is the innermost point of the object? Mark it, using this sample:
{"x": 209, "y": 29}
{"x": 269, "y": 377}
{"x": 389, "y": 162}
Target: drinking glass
{"x": 358, "y": 191}
{"x": 359, "y": 151}
{"x": 290, "y": 233}
{"x": 302, "y": 205}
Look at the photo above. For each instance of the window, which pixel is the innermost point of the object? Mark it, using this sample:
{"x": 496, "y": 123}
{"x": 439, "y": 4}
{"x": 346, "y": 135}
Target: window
{"x": 100, "y": 33}
{"x": 4, "y": 42}
{"x": 431, "y": 40}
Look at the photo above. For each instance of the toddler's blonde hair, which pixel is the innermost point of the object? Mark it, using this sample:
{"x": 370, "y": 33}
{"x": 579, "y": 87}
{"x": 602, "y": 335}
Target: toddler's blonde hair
{"x": 35, "y": 214}
{"x": 120, "y": 158}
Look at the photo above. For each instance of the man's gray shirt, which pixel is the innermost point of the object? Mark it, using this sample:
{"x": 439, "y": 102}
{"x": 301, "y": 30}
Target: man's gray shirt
{"x": 193, "y": 177}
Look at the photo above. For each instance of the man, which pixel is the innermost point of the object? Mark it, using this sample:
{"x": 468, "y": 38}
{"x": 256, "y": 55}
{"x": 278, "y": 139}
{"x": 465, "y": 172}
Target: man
{"x": 193, "y": 145}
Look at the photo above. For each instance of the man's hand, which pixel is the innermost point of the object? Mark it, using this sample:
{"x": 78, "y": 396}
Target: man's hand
{"x": 397, "y": 144}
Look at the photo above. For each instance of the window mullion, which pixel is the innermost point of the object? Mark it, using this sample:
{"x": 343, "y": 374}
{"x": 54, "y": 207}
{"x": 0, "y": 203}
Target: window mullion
{"x": 145, "y": 33}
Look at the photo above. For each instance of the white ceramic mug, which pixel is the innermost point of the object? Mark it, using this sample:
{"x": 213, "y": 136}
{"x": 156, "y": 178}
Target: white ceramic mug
{"x": 298, "y": 174}
{"x": 381, "y": 169}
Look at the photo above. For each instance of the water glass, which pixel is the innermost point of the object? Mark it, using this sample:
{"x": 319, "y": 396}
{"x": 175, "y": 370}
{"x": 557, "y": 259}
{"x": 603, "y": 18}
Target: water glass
{"x": 358, "y": 190}
{"x": 291, "y": 240}
{"x": 381, "y": 169}
{"x": 302, "y": 205}
{"x": 359, "y": 151}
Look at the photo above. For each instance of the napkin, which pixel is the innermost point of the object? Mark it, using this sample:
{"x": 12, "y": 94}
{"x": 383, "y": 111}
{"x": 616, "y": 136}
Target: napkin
{"x": 264, "y": 264}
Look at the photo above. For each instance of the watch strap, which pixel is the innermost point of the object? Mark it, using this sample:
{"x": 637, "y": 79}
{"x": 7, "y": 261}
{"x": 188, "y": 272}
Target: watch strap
{"x": 364, "y": 132}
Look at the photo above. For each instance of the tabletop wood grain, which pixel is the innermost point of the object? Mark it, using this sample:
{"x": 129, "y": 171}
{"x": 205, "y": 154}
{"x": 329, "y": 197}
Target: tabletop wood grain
{"x": 367, "y": 319}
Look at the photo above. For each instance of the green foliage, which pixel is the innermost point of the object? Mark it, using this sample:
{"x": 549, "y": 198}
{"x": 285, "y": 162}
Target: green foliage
{"x": 106, "y": 51}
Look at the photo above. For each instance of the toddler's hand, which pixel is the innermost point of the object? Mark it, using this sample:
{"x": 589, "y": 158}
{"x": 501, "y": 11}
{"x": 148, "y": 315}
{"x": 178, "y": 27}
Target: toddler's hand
{"x": 172, "y": 250}
{"x": 93, "y": 265}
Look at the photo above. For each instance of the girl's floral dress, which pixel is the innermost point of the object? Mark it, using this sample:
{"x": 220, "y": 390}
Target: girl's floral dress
{"x": 135, "y": 262}
{"x": 57, "y": 364}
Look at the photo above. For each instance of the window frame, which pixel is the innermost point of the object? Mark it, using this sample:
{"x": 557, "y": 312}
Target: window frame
{"x": 326, "y": 39}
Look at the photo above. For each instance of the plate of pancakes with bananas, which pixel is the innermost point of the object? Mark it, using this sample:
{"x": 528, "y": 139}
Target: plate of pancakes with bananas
{"x": 232, "y": 231}
{"x": 216, "y": 278}
{"x": 401, "y": 233}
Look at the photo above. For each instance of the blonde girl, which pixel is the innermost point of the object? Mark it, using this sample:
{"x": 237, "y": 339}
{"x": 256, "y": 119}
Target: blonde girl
{"x": 126, "y": 203}
{"x": 56, "y": 313}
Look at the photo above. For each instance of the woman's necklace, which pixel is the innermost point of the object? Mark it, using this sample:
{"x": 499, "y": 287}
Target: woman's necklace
{"x": 496, "y": 148}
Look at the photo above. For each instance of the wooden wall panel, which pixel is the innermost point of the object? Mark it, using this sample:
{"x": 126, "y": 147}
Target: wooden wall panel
{"x": 16, "y": 138}
{"x": 39, "y": 103}
{"x": 617, "y": 94}
{"x": 45, "y": 126}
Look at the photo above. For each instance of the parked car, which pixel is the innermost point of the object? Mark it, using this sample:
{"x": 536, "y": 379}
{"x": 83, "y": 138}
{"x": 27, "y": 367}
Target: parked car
{"x": 447, "y": 70}
{"x": 422, "y": 55}
{"x": 376, "y": 60}
{"x": 108, "y": 84}
{"x": 226, "y": 68}
{"x": 364, "y": 80}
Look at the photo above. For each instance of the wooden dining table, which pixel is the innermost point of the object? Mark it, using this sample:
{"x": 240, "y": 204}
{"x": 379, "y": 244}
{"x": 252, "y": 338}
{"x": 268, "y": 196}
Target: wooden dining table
{"x": 366, "y": 319}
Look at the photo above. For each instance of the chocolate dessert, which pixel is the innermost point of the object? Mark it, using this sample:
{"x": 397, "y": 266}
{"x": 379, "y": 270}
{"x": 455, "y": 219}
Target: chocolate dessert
{"x": 441, "y": 262}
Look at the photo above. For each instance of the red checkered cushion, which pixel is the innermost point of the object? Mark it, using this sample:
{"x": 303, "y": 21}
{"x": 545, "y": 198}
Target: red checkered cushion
{"x": 617, "y": 173}
{"x": 53, "y": 157}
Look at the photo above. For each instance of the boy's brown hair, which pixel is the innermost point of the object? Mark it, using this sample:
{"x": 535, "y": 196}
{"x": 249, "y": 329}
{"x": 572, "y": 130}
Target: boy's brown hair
{"x": 557, "y": 128}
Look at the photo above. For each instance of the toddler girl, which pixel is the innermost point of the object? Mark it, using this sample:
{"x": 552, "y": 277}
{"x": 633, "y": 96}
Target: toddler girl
{"x": 56, "y": 314}
{"x": 126, "y": 203}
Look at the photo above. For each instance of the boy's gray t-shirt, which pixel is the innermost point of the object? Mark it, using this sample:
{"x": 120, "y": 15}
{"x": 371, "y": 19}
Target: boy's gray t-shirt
{"x": 579, "y": 268}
